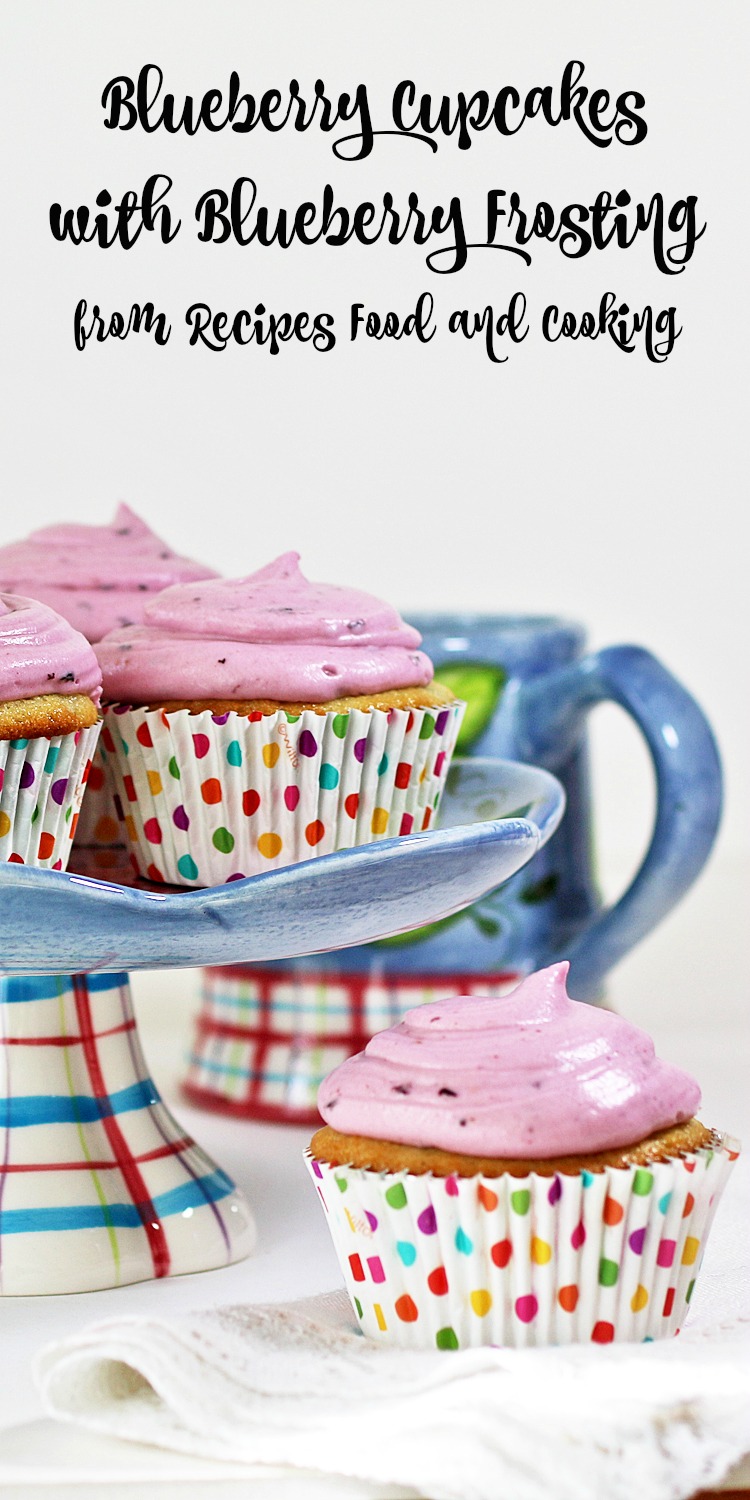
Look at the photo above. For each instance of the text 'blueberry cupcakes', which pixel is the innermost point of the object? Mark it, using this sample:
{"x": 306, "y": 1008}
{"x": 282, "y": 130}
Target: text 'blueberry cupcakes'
{"x": 260, "y": 721}
{"x": 516, "y": 1171}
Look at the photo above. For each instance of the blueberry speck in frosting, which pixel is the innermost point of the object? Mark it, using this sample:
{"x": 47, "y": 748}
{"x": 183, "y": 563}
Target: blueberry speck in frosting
{"x": 401, "y": 1088}
{"x": 222, "y": 661}
{"x": 449, "y": 1093}
{"x": 122, "y": 531}
{"x": 50, "y": 676}
{"x": 143, "y": 588}
{"x": 67, "y": 677}
{"x": 355, "y": 625}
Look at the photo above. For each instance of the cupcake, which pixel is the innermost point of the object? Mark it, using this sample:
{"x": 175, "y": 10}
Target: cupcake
{"x": 516, "y": 1171}
{"x": 50, "y": 686}
{"x": 97, "y": 577}
{"x": 259, "y": 721}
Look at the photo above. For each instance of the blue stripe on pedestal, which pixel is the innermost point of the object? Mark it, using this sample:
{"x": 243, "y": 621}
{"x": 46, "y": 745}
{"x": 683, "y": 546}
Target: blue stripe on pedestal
{"x": 197, "y": 1194}
{"x": 18, "y": 989}
{"x": 58, "y": 1109}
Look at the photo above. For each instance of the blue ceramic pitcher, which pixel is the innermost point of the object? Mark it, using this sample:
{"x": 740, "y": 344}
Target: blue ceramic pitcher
{"x": 529, "y": 685}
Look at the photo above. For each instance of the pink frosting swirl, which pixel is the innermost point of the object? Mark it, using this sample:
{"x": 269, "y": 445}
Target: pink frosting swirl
{"x": 41, "y": 653}
{"x": 97, "y": 577}
{"x": 533, "y": 1074}
{"x": 270, "y": 635}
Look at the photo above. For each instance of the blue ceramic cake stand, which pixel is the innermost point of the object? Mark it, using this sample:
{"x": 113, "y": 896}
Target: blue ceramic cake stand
{"x": 99, "y": 1185}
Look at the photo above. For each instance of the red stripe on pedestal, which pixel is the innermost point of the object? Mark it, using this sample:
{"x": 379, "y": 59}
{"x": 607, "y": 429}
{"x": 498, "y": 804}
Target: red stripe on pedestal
{"x": 124, "y": 1158}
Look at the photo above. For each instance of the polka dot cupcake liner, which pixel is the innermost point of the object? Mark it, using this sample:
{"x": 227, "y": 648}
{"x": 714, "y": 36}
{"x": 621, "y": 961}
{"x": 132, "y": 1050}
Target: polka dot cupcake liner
{"x": 208, "y": 798}
{"x": 41, "y": 786}
{"x": 458, "y": 1262}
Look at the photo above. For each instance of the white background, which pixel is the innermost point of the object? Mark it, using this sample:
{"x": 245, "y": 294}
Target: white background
{"x": 574, "y": 479}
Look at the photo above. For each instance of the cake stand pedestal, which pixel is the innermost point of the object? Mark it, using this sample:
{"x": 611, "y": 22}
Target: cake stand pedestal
{"x": 99, "y": 1184}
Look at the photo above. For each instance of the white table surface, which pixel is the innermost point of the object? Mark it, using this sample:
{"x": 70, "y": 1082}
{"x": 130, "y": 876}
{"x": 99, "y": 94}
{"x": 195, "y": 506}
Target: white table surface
{"x": 688, "y": 985}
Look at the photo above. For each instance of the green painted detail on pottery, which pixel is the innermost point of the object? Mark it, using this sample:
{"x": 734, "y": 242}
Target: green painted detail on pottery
{"x": 480, "y": 686}
{"x": 420, "y": 934}
{"x": 488, "y": 926}
{"x": 541, "y": 890}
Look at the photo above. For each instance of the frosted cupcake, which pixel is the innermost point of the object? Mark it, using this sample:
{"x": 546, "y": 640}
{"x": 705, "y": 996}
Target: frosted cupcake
{"x": 264, "y": 720}
{"x": 516, "y": 1171}
{"x": 97, "y": 577}
{"x": 50, "y": 686}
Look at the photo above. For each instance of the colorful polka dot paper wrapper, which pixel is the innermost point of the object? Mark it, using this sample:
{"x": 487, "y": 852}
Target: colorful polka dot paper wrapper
{"x": 208, "y": 798}
{"x": 453, "y": 1263}
{"x": 41, "y": 786}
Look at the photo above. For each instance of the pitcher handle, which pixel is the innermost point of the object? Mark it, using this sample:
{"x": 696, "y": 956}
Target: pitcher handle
{"x": 688, "y": 785}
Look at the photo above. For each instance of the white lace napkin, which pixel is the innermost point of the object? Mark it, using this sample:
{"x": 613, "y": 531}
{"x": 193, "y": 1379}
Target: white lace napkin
{"x": 298, "y": 1385}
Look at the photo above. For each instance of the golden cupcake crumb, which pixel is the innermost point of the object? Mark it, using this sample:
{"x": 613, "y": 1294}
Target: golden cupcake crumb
{"x": 434, "y": 695}
{"x": 47, "y": 715}
{"x": 339, "y": 1150}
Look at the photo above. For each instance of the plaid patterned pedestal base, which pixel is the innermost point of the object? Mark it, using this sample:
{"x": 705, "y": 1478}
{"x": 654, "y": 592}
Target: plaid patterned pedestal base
{"x": 266, "y": 1038}
{"x": 99, "y": 1185}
